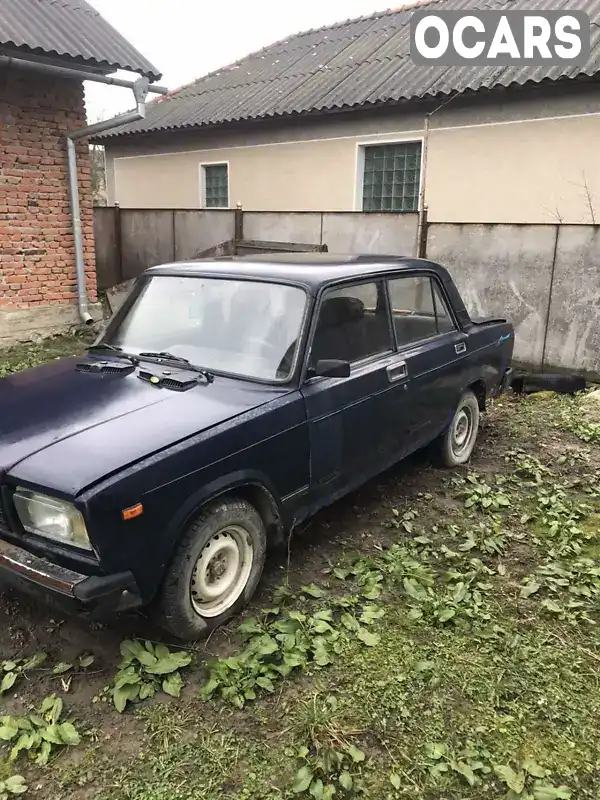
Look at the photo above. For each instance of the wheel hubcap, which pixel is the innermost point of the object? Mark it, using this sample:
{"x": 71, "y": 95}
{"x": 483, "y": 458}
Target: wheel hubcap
{"x": 221, "y": 571}
{"x": 462, "y": 430}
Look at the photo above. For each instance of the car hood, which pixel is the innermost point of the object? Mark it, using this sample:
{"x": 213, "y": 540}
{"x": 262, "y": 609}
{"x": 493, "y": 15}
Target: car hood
{"x": 65, "y": 429}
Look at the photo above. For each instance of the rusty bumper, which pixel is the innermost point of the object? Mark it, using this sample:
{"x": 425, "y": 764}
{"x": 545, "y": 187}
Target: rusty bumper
{"x": 39, "y": 576}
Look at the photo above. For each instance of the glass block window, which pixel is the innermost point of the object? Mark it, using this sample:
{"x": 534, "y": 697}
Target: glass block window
{"x": 216, "y": 186}
{"x": 391, "y": 177}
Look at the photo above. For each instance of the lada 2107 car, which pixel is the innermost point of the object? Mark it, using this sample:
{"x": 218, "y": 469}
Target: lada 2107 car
{"x": 227, "y": 401}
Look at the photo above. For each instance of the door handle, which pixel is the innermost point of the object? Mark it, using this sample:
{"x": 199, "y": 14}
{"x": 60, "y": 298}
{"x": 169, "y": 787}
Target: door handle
{"x": 396, "y": 372}
{"x": 461, "y": 347}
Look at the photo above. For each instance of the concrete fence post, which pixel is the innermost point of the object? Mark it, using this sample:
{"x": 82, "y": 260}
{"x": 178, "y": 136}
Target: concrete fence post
{"x": 118, "y": 240}
{"x": 423, "y": 226}
{"x": 238, "y": 223}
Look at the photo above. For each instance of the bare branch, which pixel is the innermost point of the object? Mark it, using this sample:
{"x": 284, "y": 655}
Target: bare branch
{"x": 589, "y": 196}
{"x": 555, "y": 214}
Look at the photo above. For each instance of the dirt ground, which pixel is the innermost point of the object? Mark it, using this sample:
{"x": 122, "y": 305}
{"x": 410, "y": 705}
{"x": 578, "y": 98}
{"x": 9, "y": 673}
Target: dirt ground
{"x": 472, "y": 683}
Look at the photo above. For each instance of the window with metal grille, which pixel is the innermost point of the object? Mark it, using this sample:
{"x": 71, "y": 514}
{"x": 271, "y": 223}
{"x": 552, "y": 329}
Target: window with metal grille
{"x": 216, "y": 186}
{"x": 391, "y": 177}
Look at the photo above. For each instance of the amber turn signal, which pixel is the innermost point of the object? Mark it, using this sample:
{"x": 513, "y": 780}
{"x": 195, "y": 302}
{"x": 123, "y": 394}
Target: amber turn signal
{"x": 133, "y": 512}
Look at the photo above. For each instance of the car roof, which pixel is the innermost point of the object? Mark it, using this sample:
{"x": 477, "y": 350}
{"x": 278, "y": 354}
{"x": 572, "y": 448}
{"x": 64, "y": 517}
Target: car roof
{"x": 311, "y": 270}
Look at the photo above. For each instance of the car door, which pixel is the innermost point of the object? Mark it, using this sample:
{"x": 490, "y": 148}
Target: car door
{"x": 434, "y": 351}
{"x": 348, "y": 417}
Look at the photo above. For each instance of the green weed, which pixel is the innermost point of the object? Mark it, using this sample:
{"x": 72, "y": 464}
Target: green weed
{"x": 479, "y": 495}
{"x": 15, "y": 669}
{"x": 13, "y": 785}
{"x": 146, "y": 669}
{"x": 39, "y": 732}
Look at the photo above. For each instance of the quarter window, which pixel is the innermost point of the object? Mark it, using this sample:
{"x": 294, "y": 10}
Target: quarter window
{"x": 445, "y": 323}
{"x": 353, "y": 324}
{"x": 215, "y": 178}
{"x": 391, "y": 177}
{"x": 419, "y": 310}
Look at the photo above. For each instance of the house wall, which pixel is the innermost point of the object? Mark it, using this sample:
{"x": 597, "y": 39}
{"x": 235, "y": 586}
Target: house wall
{"x": 522, "y": 157}
{"x": 37, "y": 260}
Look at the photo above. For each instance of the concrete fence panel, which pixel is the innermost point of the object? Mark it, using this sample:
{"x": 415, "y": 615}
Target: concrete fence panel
{"x": 387, "y": 234}
{"x": 147, "y": 239}
{"x": 282, "y": 227}
{"x": 501, "y": 270}
{"x": 196, "y": 231}
{"x": 573, "y": 340}
{"x": 544, "y": 278}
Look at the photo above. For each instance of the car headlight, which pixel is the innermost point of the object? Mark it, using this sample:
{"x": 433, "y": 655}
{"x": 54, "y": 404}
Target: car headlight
{"x": 52, "y": 518}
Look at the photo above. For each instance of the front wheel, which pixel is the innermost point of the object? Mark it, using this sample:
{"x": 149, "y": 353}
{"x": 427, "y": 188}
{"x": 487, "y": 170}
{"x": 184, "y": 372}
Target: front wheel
{"x": 215, "y": 570}
{"x": 456, "y": 445}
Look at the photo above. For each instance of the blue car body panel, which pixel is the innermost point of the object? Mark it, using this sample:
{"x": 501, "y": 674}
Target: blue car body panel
{"x": 107, "y": 442}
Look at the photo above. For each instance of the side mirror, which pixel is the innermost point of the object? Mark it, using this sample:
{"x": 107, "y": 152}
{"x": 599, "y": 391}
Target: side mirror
{"x": 331, "y": 368}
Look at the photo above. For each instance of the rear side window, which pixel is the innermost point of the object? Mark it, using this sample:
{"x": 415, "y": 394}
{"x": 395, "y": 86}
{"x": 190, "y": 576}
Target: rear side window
{"x": 445, "y": 323}
{"x": 419, "y": 309}
{"x": 352, "y": 324}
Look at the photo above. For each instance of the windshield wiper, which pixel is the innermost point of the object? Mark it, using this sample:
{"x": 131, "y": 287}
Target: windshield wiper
{"x": 111, "y": 348}
{"x": 164, "y": 355}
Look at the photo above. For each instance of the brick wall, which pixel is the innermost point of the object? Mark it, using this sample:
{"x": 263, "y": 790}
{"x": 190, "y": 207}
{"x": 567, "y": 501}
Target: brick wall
{"x": 38, "y": 289}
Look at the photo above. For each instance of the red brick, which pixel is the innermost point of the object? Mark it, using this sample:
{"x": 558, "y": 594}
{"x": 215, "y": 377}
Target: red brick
{"x": 36, "y": 251}
{"x": 16, "y": 149}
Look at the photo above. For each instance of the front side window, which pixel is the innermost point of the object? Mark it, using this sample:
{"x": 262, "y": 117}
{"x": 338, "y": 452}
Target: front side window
{"x": 391, "y": 177}
{"x": 216, "y": 185}
{"x": 245, "y": 328}
{"x": 352, "y": 324}
{"x": 419, "y": 310}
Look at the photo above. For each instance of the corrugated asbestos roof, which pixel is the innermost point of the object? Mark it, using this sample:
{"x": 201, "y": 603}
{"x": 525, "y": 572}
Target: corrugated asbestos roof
{"x": 353, "y": 63}
{"x": 69, "y": 28}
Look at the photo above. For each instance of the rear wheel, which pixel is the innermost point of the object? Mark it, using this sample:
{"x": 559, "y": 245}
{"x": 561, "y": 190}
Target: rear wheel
{"x": 457, "y": 443}
{"x": 215, "y": 570}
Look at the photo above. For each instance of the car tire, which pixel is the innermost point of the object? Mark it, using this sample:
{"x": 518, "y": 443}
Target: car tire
{"x": 457, "y": 443}
{"x": 215, "y": 570}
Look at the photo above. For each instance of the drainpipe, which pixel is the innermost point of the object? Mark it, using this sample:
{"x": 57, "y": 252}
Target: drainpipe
{"x": 140, "y": 90}
{"x": 67, "y": 72}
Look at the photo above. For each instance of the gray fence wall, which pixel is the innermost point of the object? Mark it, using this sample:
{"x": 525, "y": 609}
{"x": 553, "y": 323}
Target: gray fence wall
{"x": 545, "y": 278}
{"x": 128, "y": 241}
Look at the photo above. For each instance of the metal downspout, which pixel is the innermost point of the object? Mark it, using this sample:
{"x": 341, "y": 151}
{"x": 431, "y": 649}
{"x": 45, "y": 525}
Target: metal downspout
{"x": 140, "y": 90}
{"x": 67, "y": 72}
{"x": 85, "y": 315}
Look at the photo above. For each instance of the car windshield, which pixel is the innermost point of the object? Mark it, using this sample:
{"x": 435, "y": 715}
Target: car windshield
{"x": 246, "y": 328}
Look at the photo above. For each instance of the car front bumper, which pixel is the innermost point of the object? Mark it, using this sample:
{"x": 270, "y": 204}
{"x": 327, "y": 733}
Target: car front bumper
{"x": 70, "y": 590}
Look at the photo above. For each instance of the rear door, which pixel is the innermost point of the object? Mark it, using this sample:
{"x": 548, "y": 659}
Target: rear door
{"x": 434, "y": 351}
{"x": 348, "y": 417}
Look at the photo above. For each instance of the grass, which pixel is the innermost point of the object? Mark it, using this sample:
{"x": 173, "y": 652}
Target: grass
{"x": 20, "y": 357}
{"x": 481, "y": 679}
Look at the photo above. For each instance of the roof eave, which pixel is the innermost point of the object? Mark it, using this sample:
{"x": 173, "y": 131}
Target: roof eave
{"x": 55, "y": 58}
{"x": 113, "y": 135}
{"x": 424, "y": 100}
